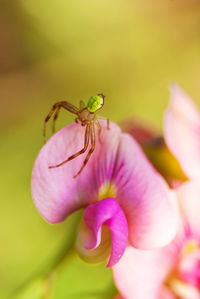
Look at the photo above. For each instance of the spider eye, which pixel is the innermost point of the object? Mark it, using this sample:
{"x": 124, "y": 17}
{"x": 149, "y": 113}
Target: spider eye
{"x": 95, "y": 103}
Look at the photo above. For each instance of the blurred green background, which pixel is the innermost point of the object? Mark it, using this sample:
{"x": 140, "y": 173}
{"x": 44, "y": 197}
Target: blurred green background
{"x": 71, "y": 49}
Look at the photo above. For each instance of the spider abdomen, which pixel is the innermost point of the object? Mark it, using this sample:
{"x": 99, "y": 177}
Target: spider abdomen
{"x": 95, "y": 103}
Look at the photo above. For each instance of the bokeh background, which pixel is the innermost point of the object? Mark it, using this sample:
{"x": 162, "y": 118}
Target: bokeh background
{"x": 72, "y": 49}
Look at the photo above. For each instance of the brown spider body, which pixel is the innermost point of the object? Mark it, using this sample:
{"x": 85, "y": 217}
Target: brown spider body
{"x": 87, "y": 117}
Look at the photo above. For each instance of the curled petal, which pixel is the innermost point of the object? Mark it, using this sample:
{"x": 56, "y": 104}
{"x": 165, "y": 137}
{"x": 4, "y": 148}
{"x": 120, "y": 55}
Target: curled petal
{"x": 106, "y": 212}
{"x": 182, "y": 131}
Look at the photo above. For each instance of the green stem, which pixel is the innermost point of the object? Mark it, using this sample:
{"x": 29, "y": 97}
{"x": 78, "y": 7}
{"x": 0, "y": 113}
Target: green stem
{"x": 45, "y": 271}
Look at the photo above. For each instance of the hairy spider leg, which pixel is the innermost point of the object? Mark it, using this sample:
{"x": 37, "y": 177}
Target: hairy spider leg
{"x": 45, "y": 122}
{"x": 92, "y": 134}
{"x": 71, "y": 108}
{"x": 55, "y": 117}
{"x": 108, "y": 123}
{"x": 107, "y": 120}
{"x": 86, "y": 143}
{"x": 99, "y": 130}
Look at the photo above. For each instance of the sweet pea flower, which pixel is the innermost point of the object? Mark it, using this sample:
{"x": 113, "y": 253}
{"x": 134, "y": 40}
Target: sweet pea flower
{"x": 124, "y": 200}
{"x": 173, "y": 271}
{"x": 182, "y": 131}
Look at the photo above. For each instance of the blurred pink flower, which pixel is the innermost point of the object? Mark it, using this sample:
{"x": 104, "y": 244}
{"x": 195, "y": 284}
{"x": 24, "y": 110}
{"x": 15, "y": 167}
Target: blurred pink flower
{"x": 173, "y": 271}
{"x": 156, "y": 150}
{"x": 182, "y": 131}
{"x": 124, "y": 199}
{"x": 140, "y": 131}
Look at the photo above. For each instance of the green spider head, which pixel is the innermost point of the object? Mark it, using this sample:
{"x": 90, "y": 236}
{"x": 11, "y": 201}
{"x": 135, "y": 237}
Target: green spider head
{"x": 95, "y": 103}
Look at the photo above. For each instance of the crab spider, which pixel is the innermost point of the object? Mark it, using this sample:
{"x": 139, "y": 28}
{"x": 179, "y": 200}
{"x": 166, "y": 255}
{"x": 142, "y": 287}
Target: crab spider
{"x": 86, "y": 115}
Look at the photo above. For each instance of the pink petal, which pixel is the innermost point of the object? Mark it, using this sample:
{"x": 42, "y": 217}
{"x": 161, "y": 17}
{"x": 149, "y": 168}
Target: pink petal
{"x": 182, "y": 131}
{"x": 149, "y": 205}
{"x": 141, "y": 274}
{"x": 189, "y": 268}
{"x": 106, "y": 212}
{"x": 55, "y": 192}
{"x": 189, "y": 199}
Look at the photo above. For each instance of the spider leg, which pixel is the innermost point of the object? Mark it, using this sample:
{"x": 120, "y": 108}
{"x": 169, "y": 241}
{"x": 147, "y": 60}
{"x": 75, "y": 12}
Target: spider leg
{"x": 46, "y": 120}
{"x": 54, "y": 119}
{"x": 99, "y": 130}
{"x": 92, "y": 134}
{"x": 86, "y": 143}
{"x": 71, "y": 108}
{"x": 107, "y": 121}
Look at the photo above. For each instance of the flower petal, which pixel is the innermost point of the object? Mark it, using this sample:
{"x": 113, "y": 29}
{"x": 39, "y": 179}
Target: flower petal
{"x": 142, "y": 273}
{"x": 149, "y": 205}
{"x": 189, "y": 199}
{"x": 182, "y": 131}
{"x": 55, "y": 192}
{"x": 105, "y": 212}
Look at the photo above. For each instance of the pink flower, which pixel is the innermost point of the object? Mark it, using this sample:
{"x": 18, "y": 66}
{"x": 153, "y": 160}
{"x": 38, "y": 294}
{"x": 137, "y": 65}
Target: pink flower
{"x": 124, "y": 199}
{"x": 173, "y": 271}
{"x": 182, "y": 132}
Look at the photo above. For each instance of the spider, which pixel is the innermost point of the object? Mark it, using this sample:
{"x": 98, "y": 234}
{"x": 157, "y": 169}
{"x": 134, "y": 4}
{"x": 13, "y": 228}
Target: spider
{"x": 86, "y": 115}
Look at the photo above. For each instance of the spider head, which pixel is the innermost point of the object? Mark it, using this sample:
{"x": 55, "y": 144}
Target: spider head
{"x": 95, "y": 103}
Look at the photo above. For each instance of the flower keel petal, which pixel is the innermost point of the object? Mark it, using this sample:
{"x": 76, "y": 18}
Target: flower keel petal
{"x": 106, "y": 212}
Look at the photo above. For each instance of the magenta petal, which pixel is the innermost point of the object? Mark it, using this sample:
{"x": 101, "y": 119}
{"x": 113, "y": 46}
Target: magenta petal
{"x": 106, "y": 212}
{"x": 182, "y": 131}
